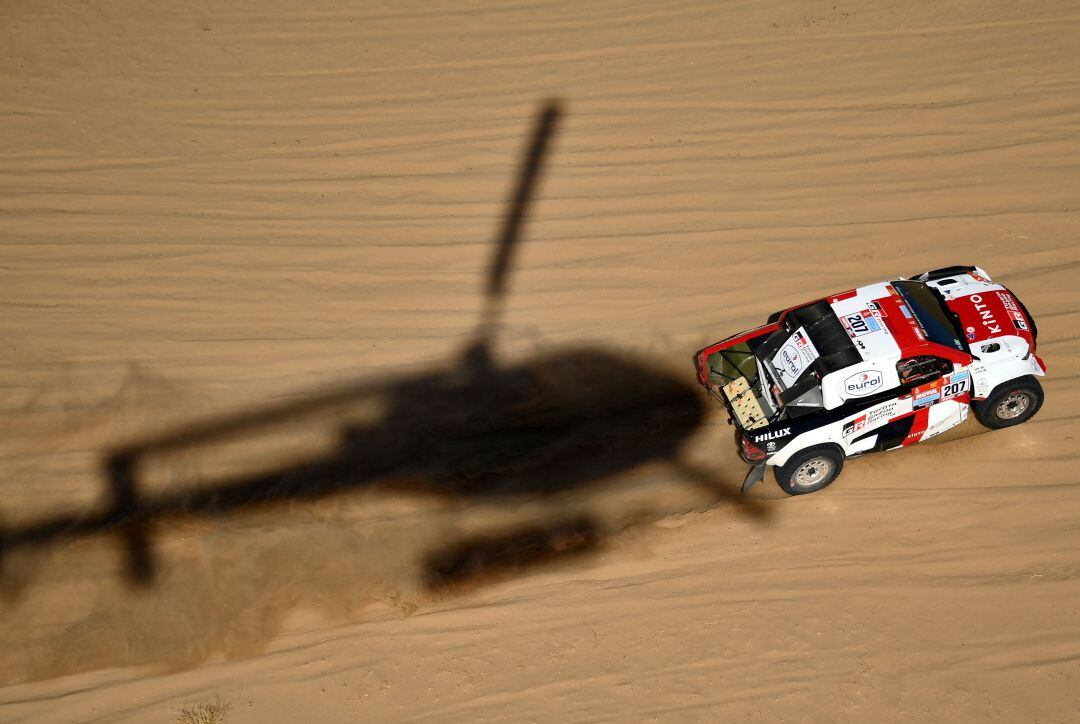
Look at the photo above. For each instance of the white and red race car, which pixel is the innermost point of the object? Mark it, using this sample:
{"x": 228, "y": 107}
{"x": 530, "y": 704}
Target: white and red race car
{"x": 872, "y": 369}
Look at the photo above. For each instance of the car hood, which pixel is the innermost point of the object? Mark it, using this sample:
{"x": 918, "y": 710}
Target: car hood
{"x": 991, "y": 313}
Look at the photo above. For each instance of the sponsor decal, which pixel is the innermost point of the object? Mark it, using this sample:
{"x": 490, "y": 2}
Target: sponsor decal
{"x": 925, "y": 400}
{"x": 789, "y": 355}
{"x": 1013, "y": 309}
{"x": 774, "y": 435}
{"x": 904, "y": 310}
{"x": 801, "y": 340}
{"x": 794, "y": 356}
{"x": 978, "y": 277}
{"x": 982, "y": 386}
{"x": 860, "y": 323}
{"x": 854, "y": 426}
{"x": 770, "y": 446}
{"x": 928, "y": 387}
{"x": 955, "y": 384}
{"x": 1008, "y": 301}
{"x": 970, "y": 332}
{"x": 926, "y": 395}
{"x": 986, "y": 316}
{"x": 868, "y": 418}
{"x": 861, "y": 384}
{"x": 881, "y": 413}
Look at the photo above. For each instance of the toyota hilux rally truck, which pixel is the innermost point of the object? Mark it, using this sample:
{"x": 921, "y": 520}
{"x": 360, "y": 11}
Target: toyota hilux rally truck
{"x": 872, "y": 369}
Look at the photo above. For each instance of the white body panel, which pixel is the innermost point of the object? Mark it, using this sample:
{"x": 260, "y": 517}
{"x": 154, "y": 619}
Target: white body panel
{"x": 934, "y": 407}
{"x": 864, "y": 324}
{"x": 942, "y": 416}
{"x": 963, "y": 285}
{"x": 998, "y": 368}
{"x": 858, "y": 381}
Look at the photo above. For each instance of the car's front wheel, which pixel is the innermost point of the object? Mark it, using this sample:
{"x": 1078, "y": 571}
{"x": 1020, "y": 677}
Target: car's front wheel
{"x": 810, "y": 470}
{"x": 1010, "y": 403}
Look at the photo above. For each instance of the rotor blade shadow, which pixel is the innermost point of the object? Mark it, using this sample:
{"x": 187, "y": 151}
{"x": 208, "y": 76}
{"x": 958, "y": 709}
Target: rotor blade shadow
{"x": 510, "y": 234}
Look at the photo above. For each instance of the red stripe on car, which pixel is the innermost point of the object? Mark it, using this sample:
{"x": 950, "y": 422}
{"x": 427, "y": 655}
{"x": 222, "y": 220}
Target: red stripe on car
{"x": 918, "y": 427}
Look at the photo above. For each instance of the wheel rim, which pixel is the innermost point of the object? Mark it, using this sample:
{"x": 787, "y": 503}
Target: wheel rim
{"x": 813, "y": 472}
{"x": 1013, "y": 406}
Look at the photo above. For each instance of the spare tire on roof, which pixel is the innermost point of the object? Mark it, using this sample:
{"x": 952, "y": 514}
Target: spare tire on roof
{"x": 810, "y": 314}
{"x": 829, "y": 337}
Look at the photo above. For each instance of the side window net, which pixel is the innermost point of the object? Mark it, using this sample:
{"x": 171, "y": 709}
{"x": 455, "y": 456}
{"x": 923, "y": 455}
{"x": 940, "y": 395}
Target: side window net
{"x": 916, "y": 370}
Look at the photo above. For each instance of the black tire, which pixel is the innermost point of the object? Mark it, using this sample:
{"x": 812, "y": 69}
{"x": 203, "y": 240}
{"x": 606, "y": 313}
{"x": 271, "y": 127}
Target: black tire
{"x": 1011, "y": 403}
{"x": 809, "y": 314}
{"x": 788, "y": 476}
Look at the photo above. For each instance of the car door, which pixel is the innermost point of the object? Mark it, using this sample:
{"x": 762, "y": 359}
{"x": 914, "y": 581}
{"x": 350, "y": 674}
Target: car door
{"x": 940, "y": 397}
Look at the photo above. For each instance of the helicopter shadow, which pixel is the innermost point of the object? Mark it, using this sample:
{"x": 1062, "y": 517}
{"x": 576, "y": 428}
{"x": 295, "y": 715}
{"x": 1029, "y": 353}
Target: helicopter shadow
{"x": 474, "y": 430}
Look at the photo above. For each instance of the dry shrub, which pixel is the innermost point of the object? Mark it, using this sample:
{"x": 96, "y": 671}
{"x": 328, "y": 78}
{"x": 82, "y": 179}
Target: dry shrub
{"x": 203, "y": 713}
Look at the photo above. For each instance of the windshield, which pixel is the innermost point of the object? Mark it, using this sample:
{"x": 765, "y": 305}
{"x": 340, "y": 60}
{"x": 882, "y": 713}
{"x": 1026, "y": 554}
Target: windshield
{"x": 936, "y": 320}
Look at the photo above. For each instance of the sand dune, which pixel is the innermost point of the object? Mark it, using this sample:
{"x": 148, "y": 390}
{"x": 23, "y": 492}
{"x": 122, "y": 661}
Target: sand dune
{"x": 210, "y": 209}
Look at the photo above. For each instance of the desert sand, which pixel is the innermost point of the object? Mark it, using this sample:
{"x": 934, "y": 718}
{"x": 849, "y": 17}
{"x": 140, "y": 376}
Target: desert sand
{"x": 220, "y": 209}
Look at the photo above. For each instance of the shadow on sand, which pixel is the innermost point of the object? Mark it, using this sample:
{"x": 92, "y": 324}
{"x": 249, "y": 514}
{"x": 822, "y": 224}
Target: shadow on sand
{"x": 475, "y": 430}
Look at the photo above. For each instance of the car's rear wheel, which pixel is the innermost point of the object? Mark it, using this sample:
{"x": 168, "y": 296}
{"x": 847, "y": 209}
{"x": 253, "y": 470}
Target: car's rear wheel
{"x": 810, "y": 470}
{"x": 1010, "y": 403}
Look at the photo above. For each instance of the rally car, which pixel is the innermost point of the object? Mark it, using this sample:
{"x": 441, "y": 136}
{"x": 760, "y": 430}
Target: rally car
{"x": 873, "y": 369}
